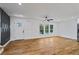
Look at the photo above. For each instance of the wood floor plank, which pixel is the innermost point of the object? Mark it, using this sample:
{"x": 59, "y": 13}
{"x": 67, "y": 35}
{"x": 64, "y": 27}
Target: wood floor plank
{"x": 44, "y": 46}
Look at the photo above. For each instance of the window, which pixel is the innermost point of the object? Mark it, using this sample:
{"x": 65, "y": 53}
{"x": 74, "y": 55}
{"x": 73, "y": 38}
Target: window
{"x": 47, "y": 29}
{"x": 51, "y": 28}
{"x": 41, "y": 29}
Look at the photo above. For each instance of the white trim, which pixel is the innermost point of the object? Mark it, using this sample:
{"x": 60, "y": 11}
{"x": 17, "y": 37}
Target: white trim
{"x": 5, "y": 44}
{"x": 1, "y": 50}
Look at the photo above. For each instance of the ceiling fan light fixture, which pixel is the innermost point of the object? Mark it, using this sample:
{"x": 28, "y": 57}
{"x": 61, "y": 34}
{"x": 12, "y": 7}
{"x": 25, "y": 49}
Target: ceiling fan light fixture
{"x": 48, "y": 19}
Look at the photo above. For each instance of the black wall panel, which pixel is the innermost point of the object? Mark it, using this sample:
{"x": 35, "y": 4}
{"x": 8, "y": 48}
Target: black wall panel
{"x": 0, "y": 26}
{"x": 5, "y": 27}
{"x": 77, "y": 32}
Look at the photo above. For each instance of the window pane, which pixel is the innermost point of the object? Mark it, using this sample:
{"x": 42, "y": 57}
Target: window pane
{"x": 41, "y": 29}
{"x": 47, "y": 29}
{"x": 51, "y": 28}
{"x": 51, "y": 31}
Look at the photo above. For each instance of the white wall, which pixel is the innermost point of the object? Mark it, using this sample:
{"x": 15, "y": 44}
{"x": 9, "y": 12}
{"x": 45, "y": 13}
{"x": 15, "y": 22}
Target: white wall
{"x": 31, "y": 28}
{"x": 68, "y": 28}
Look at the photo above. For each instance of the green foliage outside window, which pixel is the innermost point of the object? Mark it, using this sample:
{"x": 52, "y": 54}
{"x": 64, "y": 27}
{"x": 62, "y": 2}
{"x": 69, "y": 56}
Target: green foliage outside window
{"x": 41, "y": 29}
{"x": 47, "y": 29}
{"x": 51, "y": 28}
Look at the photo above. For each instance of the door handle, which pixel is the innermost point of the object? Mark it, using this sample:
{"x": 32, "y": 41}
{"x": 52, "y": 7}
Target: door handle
{"x": 23, "y": 31}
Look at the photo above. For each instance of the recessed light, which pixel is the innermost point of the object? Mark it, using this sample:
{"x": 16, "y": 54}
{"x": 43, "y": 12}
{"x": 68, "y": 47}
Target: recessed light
{"x": 19, "y": 3}
{"x": 18, "y": 15}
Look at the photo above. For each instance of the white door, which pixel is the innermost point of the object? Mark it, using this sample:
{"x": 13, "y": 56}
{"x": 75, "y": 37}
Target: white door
{"x": 19, "y": 29}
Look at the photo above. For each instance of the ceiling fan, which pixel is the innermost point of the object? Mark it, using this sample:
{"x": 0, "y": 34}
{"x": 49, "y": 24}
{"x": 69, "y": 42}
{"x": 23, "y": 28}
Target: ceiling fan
{"x": 48, "y": 19}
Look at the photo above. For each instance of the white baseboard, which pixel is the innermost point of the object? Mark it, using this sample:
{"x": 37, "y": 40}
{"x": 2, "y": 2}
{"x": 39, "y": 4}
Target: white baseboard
{"x": 5, "y": 44}
{"x": 1, "y": 50}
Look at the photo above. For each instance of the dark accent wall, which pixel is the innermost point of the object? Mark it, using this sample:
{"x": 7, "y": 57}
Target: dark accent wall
{"x": 77, "y": 32}
{"x": 5, "y": 27}
{"x": 0, "y": 26}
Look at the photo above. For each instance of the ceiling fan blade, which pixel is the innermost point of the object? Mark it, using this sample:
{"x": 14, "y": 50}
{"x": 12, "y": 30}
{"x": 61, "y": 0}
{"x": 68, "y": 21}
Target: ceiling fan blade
{"x": 49, "y": 19}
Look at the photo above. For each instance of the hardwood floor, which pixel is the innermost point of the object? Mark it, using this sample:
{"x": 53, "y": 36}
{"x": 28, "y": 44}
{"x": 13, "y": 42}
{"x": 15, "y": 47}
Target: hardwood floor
{"x": 44, "y": 46}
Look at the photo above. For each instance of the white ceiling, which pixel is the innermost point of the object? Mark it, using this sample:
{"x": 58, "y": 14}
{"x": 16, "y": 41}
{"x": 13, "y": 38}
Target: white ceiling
{"x": 39, "y": 10}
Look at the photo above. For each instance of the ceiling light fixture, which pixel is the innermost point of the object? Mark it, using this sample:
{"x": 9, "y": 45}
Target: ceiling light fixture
{"x": 20, "y": 3}
{"x": 18, "y": 15}
{"x": 48, "y": 19}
